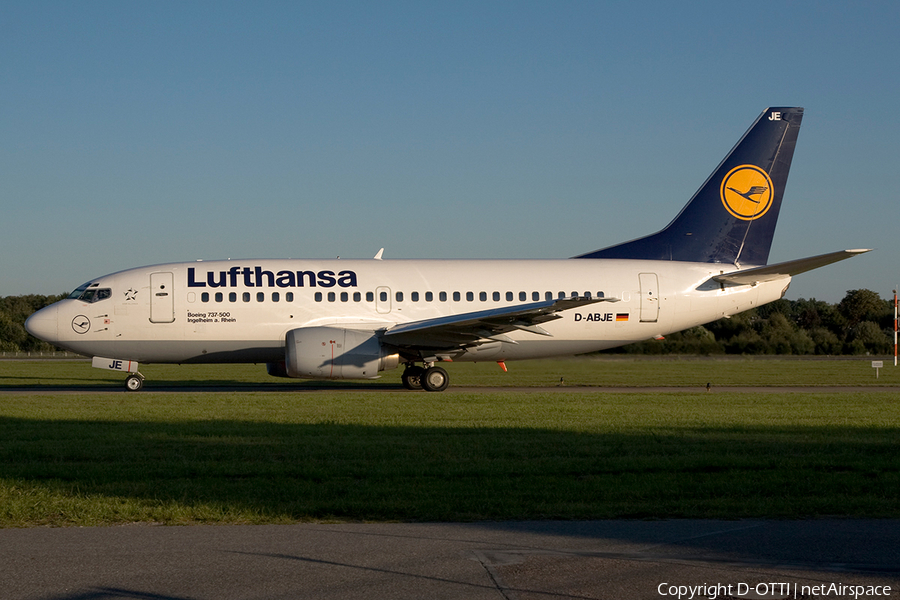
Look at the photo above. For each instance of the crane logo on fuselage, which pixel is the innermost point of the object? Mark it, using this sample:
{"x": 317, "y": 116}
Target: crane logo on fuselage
{"x": 747, "y": 192}
{"x": 81, "y": 324}
{"x": 258, "y": 277}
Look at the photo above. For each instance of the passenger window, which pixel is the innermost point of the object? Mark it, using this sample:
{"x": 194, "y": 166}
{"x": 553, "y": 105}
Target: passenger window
{"x": 289, "y": 297}
{"x": 496, "y": 296}
{"x": 345, "y": 297}
{"x": 399, "y": 296}
{"x": 245, "y": 296}
{"x": 535, "y": 296}
{"x": 587, "y": 294}
{"x": 331, "y": 296}
{"x": 470, "y": 296}
{"x": 318, "y": 296}
{"x": 429, "y": 296}
{"x": 482, "y": 296}
{"x": 370, "y": 296}
{"x": 232, "y": 296}
{"x": 442, "y": 296}
{"x": 523, "y": 297}
{"x": 260, "y": 296}
{"x": 548, "y": 296}
{"x": 574, "y": 294}
{"x": 414, "y": 296}
{"x": 218, "y": 296}
{"x": 276, "y": 297}
{"x": 561, "y": 295}
{"x": 456, "y": 297}
{"x": 383, "y": 296}
{"x": 204, "y": 297}
{"x": 509, "y": 296}
{"x": 357, "y": 297}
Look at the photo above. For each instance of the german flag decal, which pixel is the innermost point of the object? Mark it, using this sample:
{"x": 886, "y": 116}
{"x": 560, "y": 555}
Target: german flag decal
{"x": 621, "y": 317}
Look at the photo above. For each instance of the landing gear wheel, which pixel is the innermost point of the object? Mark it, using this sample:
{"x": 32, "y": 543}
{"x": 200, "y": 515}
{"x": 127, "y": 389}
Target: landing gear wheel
{"x": 435, "y": 379}
{"x": 134, "y": 382}
{"x": 412, "y": 378}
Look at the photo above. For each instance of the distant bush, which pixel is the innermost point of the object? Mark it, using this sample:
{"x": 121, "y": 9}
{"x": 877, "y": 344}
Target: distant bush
{"x": 13, "y": 312}
{"x": 861, "y": 323}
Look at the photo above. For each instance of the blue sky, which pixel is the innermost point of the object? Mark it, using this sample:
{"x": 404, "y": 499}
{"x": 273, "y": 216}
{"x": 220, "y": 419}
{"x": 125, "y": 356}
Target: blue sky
{"x": 141, "y": 133}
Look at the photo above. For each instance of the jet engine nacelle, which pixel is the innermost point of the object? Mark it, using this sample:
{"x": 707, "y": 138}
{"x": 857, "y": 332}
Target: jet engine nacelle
{"x": 335, "y": 353}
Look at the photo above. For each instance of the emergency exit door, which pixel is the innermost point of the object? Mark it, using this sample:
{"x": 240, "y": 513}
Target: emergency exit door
{"x": 649, "y": 297}
{"x": 162, "y": 297}
{"x": 383, "y": 300}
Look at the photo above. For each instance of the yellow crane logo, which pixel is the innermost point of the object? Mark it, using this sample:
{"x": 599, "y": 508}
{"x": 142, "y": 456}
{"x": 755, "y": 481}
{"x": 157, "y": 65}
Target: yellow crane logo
{"x": 746, "y": 192}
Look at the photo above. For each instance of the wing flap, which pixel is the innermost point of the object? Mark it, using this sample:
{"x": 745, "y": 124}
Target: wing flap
{"x": 469, "y": 329}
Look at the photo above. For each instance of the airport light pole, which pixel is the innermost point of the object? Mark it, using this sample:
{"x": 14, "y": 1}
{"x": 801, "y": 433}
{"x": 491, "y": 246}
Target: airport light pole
{"x": 895, "y": 328}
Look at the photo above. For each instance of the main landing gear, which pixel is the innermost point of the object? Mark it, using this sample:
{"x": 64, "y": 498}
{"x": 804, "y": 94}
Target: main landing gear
{"x": 134, "y": 382}
{"x": 431, "y": 379}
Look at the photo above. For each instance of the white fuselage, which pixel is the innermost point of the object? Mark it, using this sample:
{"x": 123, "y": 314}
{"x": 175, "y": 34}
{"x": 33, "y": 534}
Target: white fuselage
{"x": 241, "y": 311}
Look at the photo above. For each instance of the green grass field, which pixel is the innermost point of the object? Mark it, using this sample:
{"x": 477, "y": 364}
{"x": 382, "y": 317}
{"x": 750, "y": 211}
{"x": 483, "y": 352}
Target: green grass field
{"x": 293, "y": 454}
{"x": 611, "y": 371}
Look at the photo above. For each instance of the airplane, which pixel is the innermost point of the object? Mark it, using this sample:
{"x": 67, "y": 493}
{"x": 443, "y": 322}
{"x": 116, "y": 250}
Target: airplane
{"x": 352, "y": 319}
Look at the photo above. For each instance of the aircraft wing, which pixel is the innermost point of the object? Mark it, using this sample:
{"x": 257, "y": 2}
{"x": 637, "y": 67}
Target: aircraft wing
{"x": 786, "y": 269}
{"x": 472, "y": 329}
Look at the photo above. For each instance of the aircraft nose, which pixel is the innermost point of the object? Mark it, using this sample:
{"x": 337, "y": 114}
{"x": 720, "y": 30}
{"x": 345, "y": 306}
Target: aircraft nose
{"x": 44, "y": 324}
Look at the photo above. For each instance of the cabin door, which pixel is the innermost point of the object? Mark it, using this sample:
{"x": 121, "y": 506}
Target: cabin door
{"x": 649, "y": 297}
{"x": 162, "y": 298}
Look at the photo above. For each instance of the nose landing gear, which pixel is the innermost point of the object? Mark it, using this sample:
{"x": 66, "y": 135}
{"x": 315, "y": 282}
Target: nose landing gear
{"x": 134, "y": 382}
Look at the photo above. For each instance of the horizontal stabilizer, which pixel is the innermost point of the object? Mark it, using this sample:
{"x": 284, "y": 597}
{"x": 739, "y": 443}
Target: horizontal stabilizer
{"x": 786, "y": 269}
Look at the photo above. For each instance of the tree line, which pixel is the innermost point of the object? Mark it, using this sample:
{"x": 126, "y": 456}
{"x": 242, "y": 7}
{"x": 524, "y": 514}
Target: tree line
{"x": 861, "y": 323}
{"x": 13, "y": 312}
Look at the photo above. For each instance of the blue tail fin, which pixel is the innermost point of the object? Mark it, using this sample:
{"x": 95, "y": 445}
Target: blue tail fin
{"x": 731, "y": 219}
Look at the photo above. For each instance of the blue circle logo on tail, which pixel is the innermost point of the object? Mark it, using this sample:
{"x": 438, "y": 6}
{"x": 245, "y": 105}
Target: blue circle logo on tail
{"x": 747, "y": 192}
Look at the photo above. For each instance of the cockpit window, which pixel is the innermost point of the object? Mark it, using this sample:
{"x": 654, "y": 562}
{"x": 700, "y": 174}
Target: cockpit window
{"x": 91, "y": 293}
{"x": 75, "y": 295}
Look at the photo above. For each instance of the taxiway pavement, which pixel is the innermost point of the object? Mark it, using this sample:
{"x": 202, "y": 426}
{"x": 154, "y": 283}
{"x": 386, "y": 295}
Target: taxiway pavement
{"x": 494, "y": 560}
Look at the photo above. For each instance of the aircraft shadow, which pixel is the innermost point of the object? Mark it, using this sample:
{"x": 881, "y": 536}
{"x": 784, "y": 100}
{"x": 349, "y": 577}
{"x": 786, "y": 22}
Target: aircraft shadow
{"x": 209, "y": 471}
